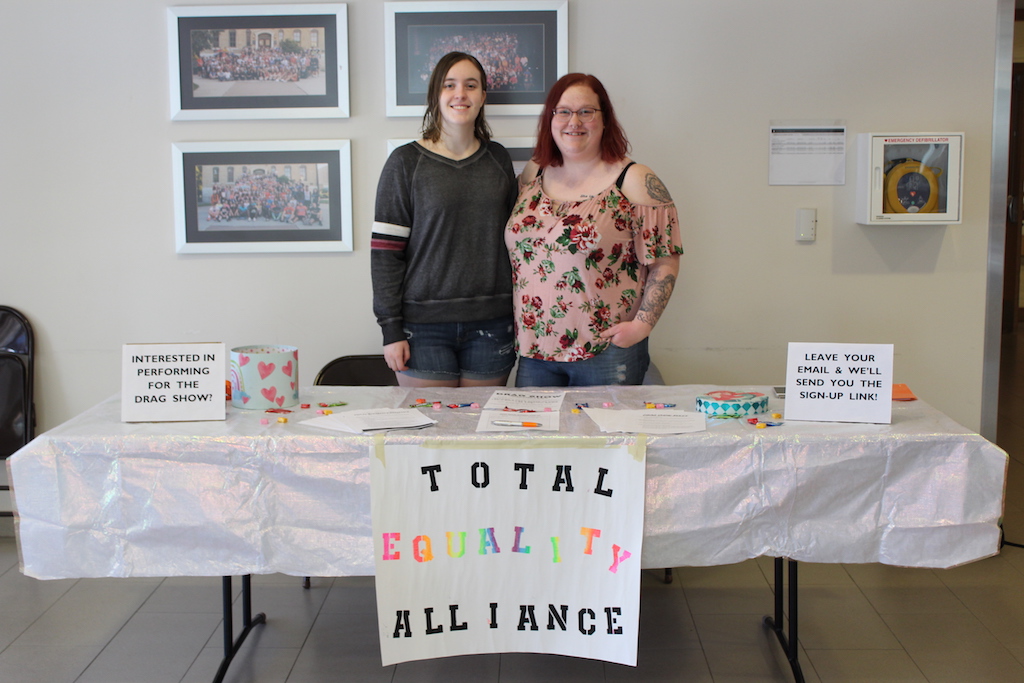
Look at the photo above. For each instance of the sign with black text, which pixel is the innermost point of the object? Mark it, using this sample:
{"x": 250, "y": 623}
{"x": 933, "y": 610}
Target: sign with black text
{"x": 508, "y": 549}
{"x": 839, "y": 383}
{"x": 173, "y": 382}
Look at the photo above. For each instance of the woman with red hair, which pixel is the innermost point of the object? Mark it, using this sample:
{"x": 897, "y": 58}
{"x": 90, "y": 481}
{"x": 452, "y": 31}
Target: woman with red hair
{"x": 594, "y": 244}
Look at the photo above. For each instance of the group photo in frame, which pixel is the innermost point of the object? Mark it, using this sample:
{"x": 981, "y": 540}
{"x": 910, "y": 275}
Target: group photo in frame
{"x": 522, "y": 45}
{"x": 277, "y": 196}
{"x": 258, "y": 62}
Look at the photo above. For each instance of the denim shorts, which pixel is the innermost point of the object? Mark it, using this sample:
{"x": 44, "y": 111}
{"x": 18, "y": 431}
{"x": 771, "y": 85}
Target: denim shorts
{"x": 482, "y": 350}
{"x": 614, "y": 365}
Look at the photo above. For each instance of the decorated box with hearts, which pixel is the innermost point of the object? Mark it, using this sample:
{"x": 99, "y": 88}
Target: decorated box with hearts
{"x": 264, "y": 377}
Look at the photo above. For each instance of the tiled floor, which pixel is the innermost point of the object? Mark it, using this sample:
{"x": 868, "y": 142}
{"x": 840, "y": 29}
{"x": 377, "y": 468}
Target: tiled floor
{"x": 869, "y": 623}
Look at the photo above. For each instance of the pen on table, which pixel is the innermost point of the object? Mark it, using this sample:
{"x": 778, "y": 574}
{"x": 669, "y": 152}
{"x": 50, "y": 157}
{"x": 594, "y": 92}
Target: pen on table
{"x": 510, "y": 423}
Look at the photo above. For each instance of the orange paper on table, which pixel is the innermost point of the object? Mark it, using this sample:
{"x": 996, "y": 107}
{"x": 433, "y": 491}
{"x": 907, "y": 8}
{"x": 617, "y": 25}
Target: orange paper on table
{"x": 901, "y": 392}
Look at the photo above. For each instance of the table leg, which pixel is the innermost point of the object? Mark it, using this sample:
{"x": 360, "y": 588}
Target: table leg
{"x": 231, "y": 646}
{"x": 790, "y": 645}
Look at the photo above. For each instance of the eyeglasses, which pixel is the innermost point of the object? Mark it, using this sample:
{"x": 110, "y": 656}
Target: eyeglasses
{"x": 585, "y": 115}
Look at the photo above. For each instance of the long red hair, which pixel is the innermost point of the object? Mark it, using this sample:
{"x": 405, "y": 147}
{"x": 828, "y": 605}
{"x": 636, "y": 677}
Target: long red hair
{"x": 614, "y": 145}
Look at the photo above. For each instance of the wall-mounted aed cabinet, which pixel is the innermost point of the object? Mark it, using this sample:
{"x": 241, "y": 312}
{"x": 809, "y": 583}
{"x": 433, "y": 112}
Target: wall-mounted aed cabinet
{"x": 911, "y": 178}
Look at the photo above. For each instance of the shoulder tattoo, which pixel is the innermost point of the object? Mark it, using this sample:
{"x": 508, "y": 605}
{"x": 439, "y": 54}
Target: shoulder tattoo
{"x": 656, "y": 189}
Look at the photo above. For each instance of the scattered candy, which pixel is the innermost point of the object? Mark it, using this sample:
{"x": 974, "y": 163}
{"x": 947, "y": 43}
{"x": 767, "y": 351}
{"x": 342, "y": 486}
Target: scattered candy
{"x": 328, "y": 412}
{"x": 264, "y": 421}
{"x": 304, "y": 406}
{"x": 474, "y": 404}
{"x": 607, "y": 404}
{"x": 761, "y": 424}
{"x": 777, "y": 416}
{"x": 421, "y": 400}
{"x": 576, "y": 410}
{"x": 282, "y": 419}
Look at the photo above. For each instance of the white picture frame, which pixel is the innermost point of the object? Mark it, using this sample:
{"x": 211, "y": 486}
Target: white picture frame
{"x": 417, "y": 33}
{"x": 314, "y": 173}
{"x": 258, "y": 62}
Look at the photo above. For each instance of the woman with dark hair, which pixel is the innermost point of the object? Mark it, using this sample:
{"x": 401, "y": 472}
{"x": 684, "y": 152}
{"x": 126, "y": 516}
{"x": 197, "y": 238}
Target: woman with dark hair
{"x": 594, "y": 243}
{"x": 442, "y": 282}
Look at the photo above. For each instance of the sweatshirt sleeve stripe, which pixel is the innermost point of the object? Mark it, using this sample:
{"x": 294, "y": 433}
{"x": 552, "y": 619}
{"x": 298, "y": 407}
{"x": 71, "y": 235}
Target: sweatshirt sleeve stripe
{"x": 389, "y": 237}
{"x": 390, "y": 230}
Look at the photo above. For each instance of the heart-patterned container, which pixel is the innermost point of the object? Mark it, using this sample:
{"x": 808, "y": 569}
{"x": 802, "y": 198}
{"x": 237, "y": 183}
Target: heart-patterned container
{"x": 264, "y": 377}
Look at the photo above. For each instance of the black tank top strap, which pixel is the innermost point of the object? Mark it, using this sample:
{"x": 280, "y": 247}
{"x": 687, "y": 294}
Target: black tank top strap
{"x": 622, "y": 176}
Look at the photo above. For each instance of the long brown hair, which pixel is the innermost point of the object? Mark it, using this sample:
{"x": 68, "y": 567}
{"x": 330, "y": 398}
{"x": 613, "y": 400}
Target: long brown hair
{"x": 432, "y": 116}
{"x": 614, "y": 145}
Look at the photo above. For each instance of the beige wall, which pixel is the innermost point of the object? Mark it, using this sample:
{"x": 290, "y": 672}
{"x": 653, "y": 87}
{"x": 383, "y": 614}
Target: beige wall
{"x": 88, "y": 244}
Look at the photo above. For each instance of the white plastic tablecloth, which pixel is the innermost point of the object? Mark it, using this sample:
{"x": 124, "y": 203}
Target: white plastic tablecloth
{"x": 97, "y": 497}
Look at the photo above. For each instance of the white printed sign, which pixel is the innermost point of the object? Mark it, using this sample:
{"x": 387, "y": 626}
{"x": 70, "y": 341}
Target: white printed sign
{"x": 507, "y": 550}
{"x": 839, "y": 383}
{"x": 172, "y": 382}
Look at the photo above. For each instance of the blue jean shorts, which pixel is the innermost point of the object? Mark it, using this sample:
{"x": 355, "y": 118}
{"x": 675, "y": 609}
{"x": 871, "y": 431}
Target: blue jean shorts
{"x": 614, "y": 365}
{"x": 479, "y": 350}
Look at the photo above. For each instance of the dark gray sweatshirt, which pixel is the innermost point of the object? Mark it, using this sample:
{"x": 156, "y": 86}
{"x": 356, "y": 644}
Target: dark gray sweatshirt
{"x": 438, "y": 249}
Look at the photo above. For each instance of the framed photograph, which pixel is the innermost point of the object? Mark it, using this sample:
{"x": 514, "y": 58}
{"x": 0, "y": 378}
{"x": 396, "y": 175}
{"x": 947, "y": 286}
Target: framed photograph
{"x": 280, "y": 196}
{"x": 258, "y": 62}
{"x": 522, "y": 45}
{"x": 520, "y": 149}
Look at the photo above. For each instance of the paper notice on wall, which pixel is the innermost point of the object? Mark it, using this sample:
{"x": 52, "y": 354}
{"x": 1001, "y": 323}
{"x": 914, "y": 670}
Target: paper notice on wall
{"x": 807, "y": 155}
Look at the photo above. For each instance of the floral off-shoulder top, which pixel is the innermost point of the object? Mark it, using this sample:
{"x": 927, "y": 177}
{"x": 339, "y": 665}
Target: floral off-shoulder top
{"x": 580, "y": 267}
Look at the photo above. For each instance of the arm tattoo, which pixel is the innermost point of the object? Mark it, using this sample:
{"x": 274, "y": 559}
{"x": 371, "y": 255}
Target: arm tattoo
{"x": 657, "y": 190}
{"x": 655, "y": 298}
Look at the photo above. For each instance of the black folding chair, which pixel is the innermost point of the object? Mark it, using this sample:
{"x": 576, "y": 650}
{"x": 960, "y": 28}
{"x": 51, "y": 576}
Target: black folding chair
{"x": 357, "y": 371}
{"x": 17, "y": 406}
